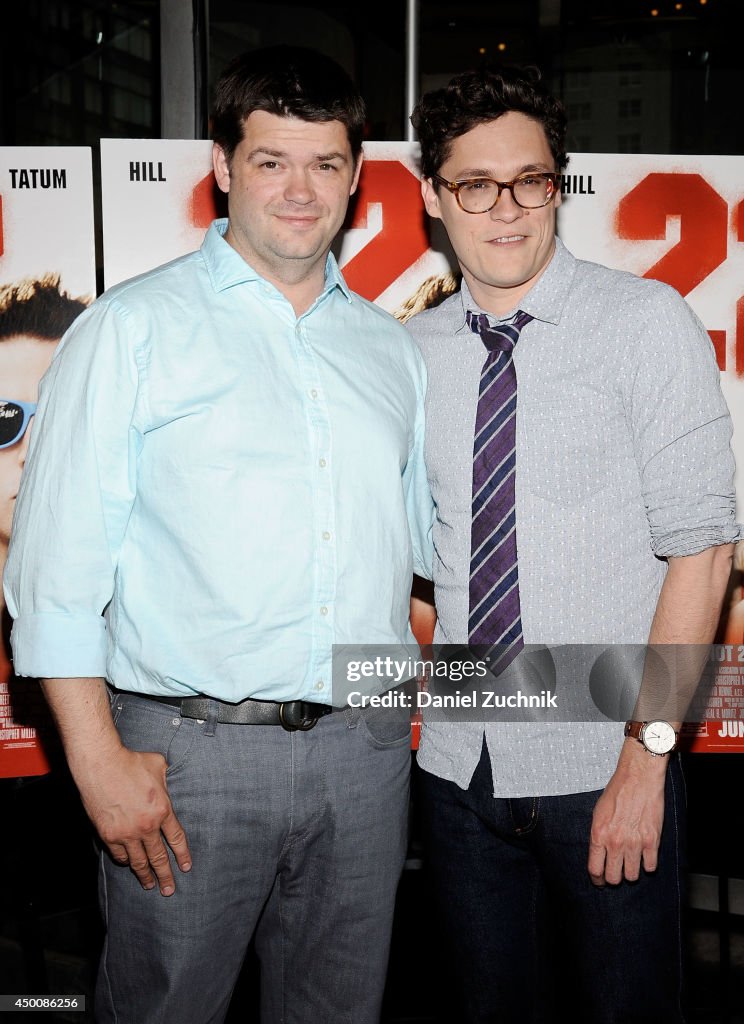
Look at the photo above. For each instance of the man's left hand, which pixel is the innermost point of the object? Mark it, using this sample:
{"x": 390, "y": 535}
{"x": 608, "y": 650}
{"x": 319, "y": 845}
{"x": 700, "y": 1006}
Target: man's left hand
{"x": 627, "y": 820}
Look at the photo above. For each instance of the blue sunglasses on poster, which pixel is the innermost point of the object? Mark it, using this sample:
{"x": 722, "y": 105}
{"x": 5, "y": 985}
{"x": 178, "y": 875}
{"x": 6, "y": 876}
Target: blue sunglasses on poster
{"x": 14, "y": 420}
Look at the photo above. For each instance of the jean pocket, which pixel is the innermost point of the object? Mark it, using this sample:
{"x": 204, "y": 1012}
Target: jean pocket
{"x": 386, "y": 728}
{"x": 153, "y": 728}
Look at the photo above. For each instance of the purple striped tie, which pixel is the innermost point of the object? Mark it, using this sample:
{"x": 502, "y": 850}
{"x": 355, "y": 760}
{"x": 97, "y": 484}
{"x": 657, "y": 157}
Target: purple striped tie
{"x": 494, "y": 613}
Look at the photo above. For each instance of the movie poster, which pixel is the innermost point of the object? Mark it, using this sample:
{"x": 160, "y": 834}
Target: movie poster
{"x": 47, "y": 277}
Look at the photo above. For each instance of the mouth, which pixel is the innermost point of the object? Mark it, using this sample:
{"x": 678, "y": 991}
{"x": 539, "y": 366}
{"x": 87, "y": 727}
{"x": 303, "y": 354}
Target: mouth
{"x": 297, "y": 222}
{"x": 508, "y": 239}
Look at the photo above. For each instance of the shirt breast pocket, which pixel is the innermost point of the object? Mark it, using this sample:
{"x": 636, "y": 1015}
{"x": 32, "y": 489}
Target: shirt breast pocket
{"x": 565, "y": 449}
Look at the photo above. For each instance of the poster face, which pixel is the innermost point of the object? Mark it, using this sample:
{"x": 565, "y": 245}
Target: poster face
{"x": 677, "y": 219}
{"x": 47, "y": 276}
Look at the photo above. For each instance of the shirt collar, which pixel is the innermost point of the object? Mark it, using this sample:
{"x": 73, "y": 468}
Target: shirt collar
{"x": 546, "y": 299}
{"x": 226, "y": 267}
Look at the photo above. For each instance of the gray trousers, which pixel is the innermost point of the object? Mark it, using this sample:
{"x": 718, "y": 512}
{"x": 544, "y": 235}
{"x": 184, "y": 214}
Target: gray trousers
{"x": 299, "y": 837}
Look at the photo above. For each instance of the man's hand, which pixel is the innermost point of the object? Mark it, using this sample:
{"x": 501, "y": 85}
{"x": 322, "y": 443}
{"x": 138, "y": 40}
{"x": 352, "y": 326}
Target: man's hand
{"x": 627, "y": 820}
{"x": 124, "y": 792}
{"x": 128, "y": 803}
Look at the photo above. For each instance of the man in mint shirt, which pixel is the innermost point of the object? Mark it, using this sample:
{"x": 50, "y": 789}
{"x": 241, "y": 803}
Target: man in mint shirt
{"x": 226, "y": 479}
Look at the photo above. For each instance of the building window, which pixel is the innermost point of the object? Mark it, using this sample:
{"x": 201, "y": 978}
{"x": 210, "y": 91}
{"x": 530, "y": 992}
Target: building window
{"x": 579, "y": 112}
{"x": 577, "y": 79}
{"x": 629, "y": 74}
{"x": 629, "y": 108}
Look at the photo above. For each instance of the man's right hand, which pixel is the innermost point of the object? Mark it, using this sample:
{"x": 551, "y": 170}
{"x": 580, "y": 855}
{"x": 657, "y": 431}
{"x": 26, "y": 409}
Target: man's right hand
{"x": 123, "y": 791}
{"x": 128, "y": 803}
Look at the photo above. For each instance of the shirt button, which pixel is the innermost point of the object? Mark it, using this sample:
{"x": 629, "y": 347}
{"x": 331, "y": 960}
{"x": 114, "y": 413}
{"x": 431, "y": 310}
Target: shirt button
{"x": 323, "y": 610}
{"x": 326, "y": 535}
{"x": 313, "y": 393}
{"x": 322, "y": 463}
{"x": 320, "y": 685}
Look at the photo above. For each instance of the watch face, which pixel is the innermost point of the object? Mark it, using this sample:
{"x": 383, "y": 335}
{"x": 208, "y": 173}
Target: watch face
{"x": 658, "y": 737}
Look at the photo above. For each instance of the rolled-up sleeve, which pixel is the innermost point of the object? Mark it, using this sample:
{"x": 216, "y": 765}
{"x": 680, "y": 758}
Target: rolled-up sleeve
{"x": 681, "y": 429}
{"x": 75, "y": 498}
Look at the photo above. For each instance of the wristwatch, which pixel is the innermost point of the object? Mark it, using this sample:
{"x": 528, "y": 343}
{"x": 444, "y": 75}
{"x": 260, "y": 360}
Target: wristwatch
{"x": 659, "y": 738}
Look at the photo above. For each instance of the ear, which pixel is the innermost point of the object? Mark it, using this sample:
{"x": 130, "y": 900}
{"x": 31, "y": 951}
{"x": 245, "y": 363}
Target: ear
{"x": 558, "y": 199}
{"x": 431, "y": 198}
{"x": 357, "y": 172}
{"x": 221, "y": 168}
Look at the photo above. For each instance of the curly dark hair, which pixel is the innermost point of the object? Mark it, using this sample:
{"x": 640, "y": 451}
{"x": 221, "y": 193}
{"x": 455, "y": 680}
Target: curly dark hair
{"x": 37, "y": 307}
{"x": 289, "y": 81}
{"x": 476, "y": 97}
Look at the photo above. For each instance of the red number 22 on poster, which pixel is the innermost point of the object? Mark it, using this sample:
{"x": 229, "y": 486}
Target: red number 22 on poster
{"x": 702, "y": 246}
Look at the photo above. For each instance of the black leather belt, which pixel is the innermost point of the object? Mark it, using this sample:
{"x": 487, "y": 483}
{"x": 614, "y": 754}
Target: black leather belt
{"x": 292, "y": 715}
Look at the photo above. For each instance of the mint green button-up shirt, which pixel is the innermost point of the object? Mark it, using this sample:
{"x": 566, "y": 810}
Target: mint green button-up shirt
{"x": 217, "y": 491}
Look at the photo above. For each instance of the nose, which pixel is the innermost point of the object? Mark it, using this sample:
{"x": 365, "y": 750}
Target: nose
{"x": 299, "y": 187}
{"x": 505, "y": 207}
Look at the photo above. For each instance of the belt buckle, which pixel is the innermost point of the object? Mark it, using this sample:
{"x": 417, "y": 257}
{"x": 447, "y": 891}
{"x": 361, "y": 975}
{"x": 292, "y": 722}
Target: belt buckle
{"x": 294, "y": 719}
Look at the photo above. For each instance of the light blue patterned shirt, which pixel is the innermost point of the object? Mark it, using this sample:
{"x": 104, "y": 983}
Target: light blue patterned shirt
{"x": 218, "y": 491}
{"x": 623, "y": 460}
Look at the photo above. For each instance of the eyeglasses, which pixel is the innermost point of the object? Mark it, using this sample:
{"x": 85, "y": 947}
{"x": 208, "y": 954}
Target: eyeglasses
{"x": 14, "y": 420}
{"x": 530, "y": 190}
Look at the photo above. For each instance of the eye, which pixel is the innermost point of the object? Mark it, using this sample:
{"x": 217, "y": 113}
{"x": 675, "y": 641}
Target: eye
{"x": 270, "y": 165}
{"x": 477, "y": 185}
{"x": 327, "y": 167}
{"x": 532, "y": 179}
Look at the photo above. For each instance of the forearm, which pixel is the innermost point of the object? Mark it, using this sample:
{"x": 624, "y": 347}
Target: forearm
{"x": 123, "y": 791}
{"x": 691, "y": 598}
{"x": 686, "y": 616}
{"x": 82, "y": 712}
{"x": 629, "y": 815}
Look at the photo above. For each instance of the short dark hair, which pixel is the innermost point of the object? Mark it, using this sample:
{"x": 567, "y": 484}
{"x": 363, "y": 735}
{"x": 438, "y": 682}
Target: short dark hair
{"x": 476, "y": 97}
{"x": 289, "y": 81}
{"x": 37, "y": 307}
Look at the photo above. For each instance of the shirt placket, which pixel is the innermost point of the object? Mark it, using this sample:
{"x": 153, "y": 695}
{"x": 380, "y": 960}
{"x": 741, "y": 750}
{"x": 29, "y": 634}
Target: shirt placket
{"x": 324, "y": 546}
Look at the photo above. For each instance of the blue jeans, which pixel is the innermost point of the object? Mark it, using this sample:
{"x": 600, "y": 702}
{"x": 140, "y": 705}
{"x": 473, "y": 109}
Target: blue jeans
{"x": 299, "y": 837}
{"x": 530, "y": 939}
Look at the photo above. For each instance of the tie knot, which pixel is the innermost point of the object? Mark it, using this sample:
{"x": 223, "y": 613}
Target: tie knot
{"x": 503, "y": 337}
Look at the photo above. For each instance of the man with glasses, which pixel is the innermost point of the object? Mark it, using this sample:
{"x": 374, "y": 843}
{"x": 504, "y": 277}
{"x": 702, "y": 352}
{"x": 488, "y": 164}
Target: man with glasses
{"x": 226, "y": 480}
{"x": 578, "y": 449}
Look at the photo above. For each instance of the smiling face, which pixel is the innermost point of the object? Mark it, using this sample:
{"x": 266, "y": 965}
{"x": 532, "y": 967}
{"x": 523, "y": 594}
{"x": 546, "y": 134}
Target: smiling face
{"x": 502, "y": 253}
{"x": 23, "y": 362}
{"x": 288, "y": 186}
